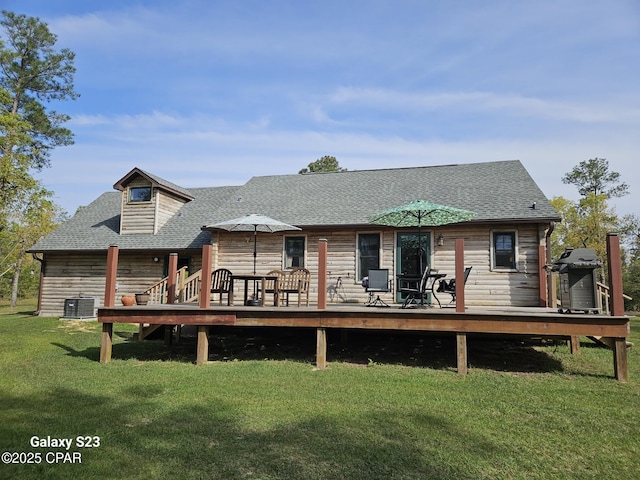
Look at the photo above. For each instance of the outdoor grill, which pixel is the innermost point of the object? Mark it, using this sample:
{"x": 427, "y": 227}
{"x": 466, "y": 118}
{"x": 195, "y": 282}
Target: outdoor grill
{"x": 576, "y": 268}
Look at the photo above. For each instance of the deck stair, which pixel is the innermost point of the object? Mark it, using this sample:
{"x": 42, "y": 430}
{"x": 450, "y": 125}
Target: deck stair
{"x": 607, "y": 342}
{"x": 187, "y": 291}
{"x": 603, "y": 305}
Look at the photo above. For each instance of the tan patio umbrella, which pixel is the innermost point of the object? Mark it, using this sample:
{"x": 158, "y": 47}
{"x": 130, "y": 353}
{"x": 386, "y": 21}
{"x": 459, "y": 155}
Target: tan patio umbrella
{"x": 252, "y": 223}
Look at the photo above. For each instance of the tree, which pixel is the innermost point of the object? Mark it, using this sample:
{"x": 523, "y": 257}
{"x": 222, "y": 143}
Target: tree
{"x": 592, "y": 177}
{"x": 31, "y": 72}
{"x": 323, "y": 164}
{"x": 37, "y": 217}
{"x": 585, "y": 223}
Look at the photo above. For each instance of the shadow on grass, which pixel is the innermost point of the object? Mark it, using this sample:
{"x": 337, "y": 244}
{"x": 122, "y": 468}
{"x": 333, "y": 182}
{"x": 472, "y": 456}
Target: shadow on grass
{"x": 210, "y": 438}
{"x": 364, "y": 347}
{"x": 359, "y": 347}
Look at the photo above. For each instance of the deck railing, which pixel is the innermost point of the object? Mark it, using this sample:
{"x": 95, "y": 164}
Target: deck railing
{"x": 190, "y": 291}
{"x": 604, "y": 296}
{"x": 158, "y": 292}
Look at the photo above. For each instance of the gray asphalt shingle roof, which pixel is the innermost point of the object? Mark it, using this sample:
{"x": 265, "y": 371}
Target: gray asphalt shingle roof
{"x": 496, "y": 191}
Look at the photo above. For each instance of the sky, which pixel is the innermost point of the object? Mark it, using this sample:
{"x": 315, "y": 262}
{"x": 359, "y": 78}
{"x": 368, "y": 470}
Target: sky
{"x": 210, "y": 93}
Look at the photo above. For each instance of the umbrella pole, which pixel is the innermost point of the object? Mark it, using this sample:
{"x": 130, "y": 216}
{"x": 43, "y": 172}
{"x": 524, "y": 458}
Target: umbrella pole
{"x": 255, "y": 249}
{"x": 255, "y": 254}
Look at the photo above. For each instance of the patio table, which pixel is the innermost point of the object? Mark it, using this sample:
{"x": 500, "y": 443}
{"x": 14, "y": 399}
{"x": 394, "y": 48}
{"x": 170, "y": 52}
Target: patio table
{"x": 432, "y": 278}
{"x": 263, "y": 279}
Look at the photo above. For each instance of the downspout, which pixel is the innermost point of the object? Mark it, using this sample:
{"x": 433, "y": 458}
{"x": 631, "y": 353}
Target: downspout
{"x": 42, "y": 267}
{"x": 551, "y": 291}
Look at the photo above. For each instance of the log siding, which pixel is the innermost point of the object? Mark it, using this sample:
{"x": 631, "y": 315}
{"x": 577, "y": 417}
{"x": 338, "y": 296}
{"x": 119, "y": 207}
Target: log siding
{"x": 84, "y": 274}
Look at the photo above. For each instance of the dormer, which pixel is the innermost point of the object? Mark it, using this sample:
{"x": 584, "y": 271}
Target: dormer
{"x": 148, "y": 202}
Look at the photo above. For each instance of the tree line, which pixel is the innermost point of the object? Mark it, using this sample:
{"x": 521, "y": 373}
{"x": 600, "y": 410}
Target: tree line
{"x": 33, "y": 73}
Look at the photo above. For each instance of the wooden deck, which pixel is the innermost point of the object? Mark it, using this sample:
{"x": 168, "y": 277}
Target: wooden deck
{"x": 523, "y": 321}
{"x": 459, "y": 321}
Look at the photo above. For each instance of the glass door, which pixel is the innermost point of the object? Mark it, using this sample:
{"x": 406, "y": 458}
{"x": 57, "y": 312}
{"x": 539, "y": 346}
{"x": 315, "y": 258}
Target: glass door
{"x": 413, "y": 249}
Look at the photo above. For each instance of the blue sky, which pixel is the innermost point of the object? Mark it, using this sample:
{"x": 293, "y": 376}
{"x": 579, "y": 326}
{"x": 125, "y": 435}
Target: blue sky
{"x": 206, "y": 93}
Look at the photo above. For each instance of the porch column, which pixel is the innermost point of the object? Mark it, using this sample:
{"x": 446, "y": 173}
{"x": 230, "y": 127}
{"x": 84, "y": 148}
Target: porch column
{"x": 542, "y": 277}
{"x": 620, "y": 365}
{"x": 106, "y": 340}
{"x": 459, "y": 276}
{"x": 615, "y": 274}
{"x": 205, "y": 283}
{"x": 111, "y": 277}
{"x": 171, "y": 282}
{"x": 322, "y": 273}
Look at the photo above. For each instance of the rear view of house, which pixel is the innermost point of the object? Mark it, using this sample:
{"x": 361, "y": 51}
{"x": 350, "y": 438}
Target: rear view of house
{"x": 148, "y": 218}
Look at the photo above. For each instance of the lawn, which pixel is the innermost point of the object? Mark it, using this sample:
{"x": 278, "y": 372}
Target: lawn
{"x": 388, "y": 407}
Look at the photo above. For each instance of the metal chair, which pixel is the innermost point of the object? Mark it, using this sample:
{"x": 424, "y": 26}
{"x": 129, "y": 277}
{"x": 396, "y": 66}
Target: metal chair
{"x": 377, "y": 283}
{"x": 450, "y": 287}
{"x": 221, "y": 283}
{"x": 417, "y": 295}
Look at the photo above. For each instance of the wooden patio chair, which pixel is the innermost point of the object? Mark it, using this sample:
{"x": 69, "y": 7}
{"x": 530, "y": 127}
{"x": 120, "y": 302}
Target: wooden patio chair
{"x": 270, "y": 287}
{"x": 416, "y": 295}
{"x": 221, "y": 283}
{"x": 297, "y": 281}
{"x": 450, "y": 287}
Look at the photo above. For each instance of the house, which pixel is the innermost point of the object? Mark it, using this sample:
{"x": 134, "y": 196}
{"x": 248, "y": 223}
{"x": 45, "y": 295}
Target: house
{"x": 148, "y": 218}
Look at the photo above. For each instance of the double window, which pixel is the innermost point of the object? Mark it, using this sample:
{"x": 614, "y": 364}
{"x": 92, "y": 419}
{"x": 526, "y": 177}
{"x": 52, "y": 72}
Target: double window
{"x": 503, "y": 251}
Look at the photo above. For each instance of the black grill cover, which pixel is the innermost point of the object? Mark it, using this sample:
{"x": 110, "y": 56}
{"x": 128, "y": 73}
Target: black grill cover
{"x": 577, "y": 258}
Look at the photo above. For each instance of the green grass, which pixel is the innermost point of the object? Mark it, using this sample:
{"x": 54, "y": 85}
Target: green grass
{"x": 386, "y": 408}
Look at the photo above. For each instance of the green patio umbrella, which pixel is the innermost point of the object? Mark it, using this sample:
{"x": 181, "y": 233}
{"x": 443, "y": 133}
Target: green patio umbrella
{"x": 421, "y": 213}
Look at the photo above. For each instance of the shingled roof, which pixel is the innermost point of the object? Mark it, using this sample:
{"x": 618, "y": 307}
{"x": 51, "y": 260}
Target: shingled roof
{"x": 498, "y": 192}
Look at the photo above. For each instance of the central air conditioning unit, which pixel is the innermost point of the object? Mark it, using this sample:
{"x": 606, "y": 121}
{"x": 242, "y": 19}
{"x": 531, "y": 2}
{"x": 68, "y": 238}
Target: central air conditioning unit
{"x": 79, "y": 307}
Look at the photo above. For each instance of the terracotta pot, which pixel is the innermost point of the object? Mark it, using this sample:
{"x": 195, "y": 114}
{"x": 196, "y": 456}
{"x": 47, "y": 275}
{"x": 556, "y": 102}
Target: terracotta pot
{"x": 128, "y": 300}
{"x": 142, "y": 298}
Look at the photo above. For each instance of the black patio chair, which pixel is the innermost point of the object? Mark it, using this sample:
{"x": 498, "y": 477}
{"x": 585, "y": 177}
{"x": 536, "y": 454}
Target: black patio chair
{"x": 221, "y": 283}
{"x": 377, "y": 282}
{"x": 419, "y": 294}
{"x": 450, "y": 287}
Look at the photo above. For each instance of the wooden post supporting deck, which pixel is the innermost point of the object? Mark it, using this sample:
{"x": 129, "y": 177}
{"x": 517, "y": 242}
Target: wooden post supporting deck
{"x": 620, "y": 366}
{"x": 106, "y": 341}
{"x": 202, "y": 355}
{"x": 321, "y": 333}
{"x": 461, "y": 347}
{"x": 461, "y": 338}
{"x": 321, "y": 348}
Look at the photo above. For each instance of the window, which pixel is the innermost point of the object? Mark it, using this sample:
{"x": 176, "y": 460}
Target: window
{"x": 140, "y": 194}
{"x": 504, "y": 250}
{"x": 294, "y": 252}
{"x": 368, "y": 253}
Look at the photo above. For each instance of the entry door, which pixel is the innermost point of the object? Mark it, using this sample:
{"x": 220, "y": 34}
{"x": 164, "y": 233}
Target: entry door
{"x": 411, "y": 247}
